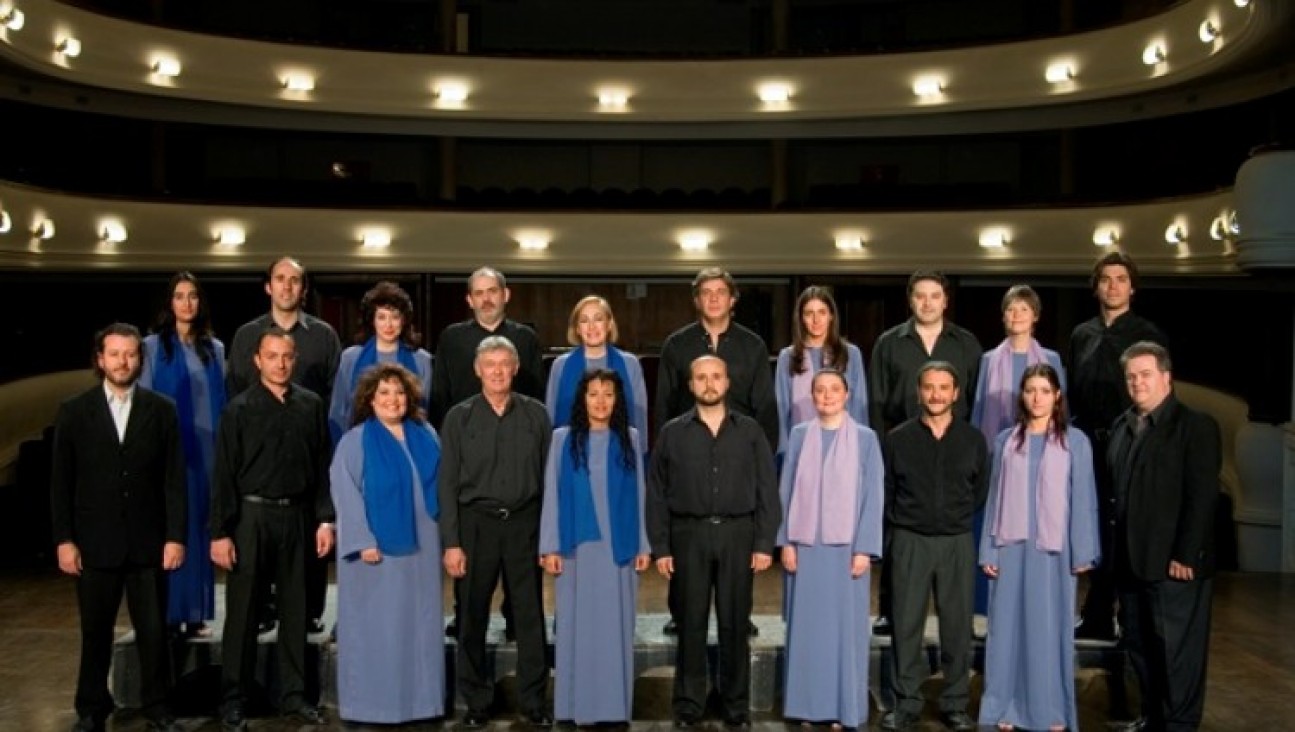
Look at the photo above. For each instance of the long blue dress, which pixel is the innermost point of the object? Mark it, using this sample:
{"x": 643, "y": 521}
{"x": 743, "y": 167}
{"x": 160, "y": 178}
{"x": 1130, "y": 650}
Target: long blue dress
{"x": 636, "y": 386}
{"x": 791, "y": 414}
{"x": 1019, "y": 362}
{"x": 339, "y": 409}
{"x": 191, "y": 589}
{"x": 828, "y": 633}
{"x": 390, "y": 642}
{"x": 596, "y": 600}
{"x": 1030, "y": 650}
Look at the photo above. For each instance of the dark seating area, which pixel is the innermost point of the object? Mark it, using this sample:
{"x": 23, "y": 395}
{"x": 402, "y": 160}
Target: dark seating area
{"x": 585, "y": 198}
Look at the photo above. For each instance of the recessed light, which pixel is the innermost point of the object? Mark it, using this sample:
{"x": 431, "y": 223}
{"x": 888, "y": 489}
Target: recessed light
{"x": 533, "y": 242}
{"x": 1219, "y": 228}
{"x": 995, "y": 238}
{"x": 113, "y": 232}
{"x": 850, "y": 242}
{"x": 1234, "y": 224}
{"x": 694, "y": 241}
{"x": 451, "y": 93}
{"x": 774, "y": 92}
{"x": 1105, "y": 236}
{"x": 929, "y": 86}
{"x": 613, "y": 99}
{"x": 298, "y": 82}
{"x": 230, "y": 236}
{"x": 1153, "y": 54}
{"x": 13, "y": 18}
{"x": 6, "y": 223}
{"x": 44, "y": 229}
{"x": 1241, "y": 3}
{"x": 166, "y": 66}
{"x": 1175, "y": 234}
{"x": 1059, "y": 73}
{"x": 69, "y": 47}
{"x": 375, "y": 239}
{"x": 1208, "y": 32}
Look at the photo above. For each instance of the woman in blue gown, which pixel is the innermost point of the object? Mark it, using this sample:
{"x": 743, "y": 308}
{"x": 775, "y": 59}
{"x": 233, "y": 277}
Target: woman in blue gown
{"x": 390, "y": 646}
{"x": 183, "y": 360}
{"x": 1040, "y": 532}
{"x": 592, "y": 330}
{"x": 593, "y": 540}
{"x": 832, "y": 488}
{"x": 387, "y": 335}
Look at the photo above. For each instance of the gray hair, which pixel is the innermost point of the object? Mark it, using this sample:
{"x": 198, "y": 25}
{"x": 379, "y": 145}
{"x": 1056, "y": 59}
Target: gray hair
{"x": 490, "y": 272}
{"x": 497, "y": 343}
{"x": 1148, "y": 348}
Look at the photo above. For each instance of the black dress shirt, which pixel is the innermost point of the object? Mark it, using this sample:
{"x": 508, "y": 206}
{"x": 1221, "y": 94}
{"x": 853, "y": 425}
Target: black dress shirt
{"x": 490, "y": 460}
{"x": 454, "y": 377}
{"x": 750, "y": 376}
{"x": 318, "y": 351}
{"x": 697, "y": 474}
{"x": 1098, "y": 395}
{"x": 934, "y": 486}
{"x": 896, "y": 358}
{"x": 271, "y": 449}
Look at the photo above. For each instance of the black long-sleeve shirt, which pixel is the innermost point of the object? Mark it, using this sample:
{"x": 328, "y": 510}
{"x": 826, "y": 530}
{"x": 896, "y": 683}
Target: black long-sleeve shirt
{"x": 318, "y": 351}
{"x": 1098, "y": 394}
{"x": 696, "y": 474}
{"x": 896, "y": 358}
{"x": 750, "y": 377}
{"x": 934, "y": 486}
{"x": 493, "y": 460}
{"x": 454, "y": 378}
{"x": 272, "y": 449}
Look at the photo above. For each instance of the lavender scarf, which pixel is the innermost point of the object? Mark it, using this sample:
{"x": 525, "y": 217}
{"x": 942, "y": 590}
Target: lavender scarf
{"x": 1052, "y": 493}
{"x": 1000, "y": 388}
{"x": 826, "y": 488}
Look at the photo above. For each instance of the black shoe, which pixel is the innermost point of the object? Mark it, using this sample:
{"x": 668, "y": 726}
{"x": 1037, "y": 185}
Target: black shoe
{"x": 452, "y": 629}
{"x": 671, "y": 628}
{"x": 898, "y": 721}
{"x": 958, "y": 721}
{"x": 1136, "y": 725}
{"x": 751, "y": 630}
{"x": 881, "y": 626}
{"x": 475, "y": 720}
{"x": 1093, "y": 629}
{"x": 539, "y": 719}
{"x": 738, "y": 721}
{"x": 315, "y": 626}
{"x": 308, "y": 714}
{"x": 686, "y": 722}
{"x": 265, "y": 626}
{"x": 88, "y": 724}
{"x": 233, "y": 720}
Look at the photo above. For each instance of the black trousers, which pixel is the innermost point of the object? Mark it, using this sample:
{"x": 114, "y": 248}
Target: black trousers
{"x": 98, "y": 594}
{"x": 1098, "y": 610}
{"x": 316, "y": 589}
{"x": 496, "y": 544}
{"x": 919, "y": 565}
{"x": 1167, "y": 635}
{"x": 712, "y": 558}
{"x": 271, "y": 544}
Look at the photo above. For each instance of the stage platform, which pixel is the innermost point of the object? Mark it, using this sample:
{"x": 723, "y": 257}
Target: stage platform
{"x": 654, "y": 653}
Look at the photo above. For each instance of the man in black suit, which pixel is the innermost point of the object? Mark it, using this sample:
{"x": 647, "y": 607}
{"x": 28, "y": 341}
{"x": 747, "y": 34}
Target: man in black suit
{"x": 1165, "y": 459}
{"x": 118, "y": 509}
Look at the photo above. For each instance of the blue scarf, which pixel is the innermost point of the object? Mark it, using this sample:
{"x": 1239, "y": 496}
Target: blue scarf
{"x": 369, "y": 356}
{"x": 388, "y": 502}
{"x": 574, "y": 370}
{"x": 577, "y": 521}
{"x": 171, "y": 377}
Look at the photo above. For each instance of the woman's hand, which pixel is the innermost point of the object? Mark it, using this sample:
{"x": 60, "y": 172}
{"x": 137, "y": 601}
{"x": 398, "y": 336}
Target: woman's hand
{"x": 991, "y": 570}
{"x": 789, "y": 559}
{"x": 859, "y": 565}
{"x": 372, "y": 555}
{"x": 552, "y": 564}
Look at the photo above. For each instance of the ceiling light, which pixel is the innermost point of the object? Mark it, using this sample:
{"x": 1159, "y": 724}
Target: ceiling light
{"x": 694, "y": 241}
{"x": 113, "y": 232}
{"x": 1153, "y": 54}
{"x": 44, "y": 229}
{"x": 1175, "y": 234}
{"x": 69, "y": 47}
{"x": 1059, "y": 72}
{"x": 13, "y": 18}
{"x": 613, "y": 98}
{"x": 1241, "y": 3}
{"x": 849, "y": 242}
{"x": 166, "y": 66}
{"x": 452, "y": 93}
{"x": 774, "y": 93}
{"x": 929, "y": 86}
{"x": 298, "y": 82}
{"x": 375, "y": 239}
{"x": 6, "y": 223}
{"x": 1105, "y": 236}
{"x": 1208, "y": 32}
{"x": 1234, "y": 224}
{"x": 994, "y": 238}
{"x": 533, "y": 242}
{"x": 1219, "y": 228}
{"x": 230, "y": 236}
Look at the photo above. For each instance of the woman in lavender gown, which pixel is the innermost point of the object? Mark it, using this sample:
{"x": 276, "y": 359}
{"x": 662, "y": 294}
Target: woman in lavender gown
{"x": 593, "y": 540}
{"x": 816, "y": 344}
{"x": 592, "y": 330}
{"x": 831, "y": 488}
{"x": 183, "y": 360}
{"x": 1041, "y": 531}
{"x": 390, "y": 646}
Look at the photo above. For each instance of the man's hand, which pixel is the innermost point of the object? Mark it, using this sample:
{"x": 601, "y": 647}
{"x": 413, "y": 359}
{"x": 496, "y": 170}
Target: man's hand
{"x": 665, "y": 566}
{"x": 1181, "y": 572}
{"x": 859, "y": 565}
{"x": 642, "y": 562}
{"x": 761, "y": 561}
{"x": 69, "y": 559}
{"x": 789, "y": 559}
{"x": 223, "y": 554}
{"x": 172, "y": 555}
{"x": 372, "y": 555}
{"x": 323, "y": 540}
{"x": 552, "y": 564}
{"x": 456, "y": 562}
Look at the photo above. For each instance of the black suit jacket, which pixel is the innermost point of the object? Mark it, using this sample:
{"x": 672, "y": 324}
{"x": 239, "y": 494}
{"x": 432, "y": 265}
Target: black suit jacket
{"x": 119, "y": 501}
{"x": 1167, "y": 490}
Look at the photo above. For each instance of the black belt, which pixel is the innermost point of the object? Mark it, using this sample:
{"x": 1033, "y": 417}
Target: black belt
{"x": 272, "y": 501}
{"x": 501, "y": 514}
{"x": 715, "y": 518}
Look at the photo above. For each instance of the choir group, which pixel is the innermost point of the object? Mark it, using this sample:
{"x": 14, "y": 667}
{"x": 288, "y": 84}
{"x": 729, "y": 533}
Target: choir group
{"x": 978, "y": 475}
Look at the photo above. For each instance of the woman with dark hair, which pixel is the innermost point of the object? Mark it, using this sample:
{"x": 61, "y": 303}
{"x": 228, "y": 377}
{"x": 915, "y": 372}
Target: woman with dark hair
{"x": 832, "y": 498}
{"x": 390, "y": 646}
{"x": 816, "y": 344}
{"x": 592, "y": 330}
{"x": 1040, "y": 532}
{"x": 593, "y": 540}
{"x": 387, "y": 335}
{"x": 183, "y": 360}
